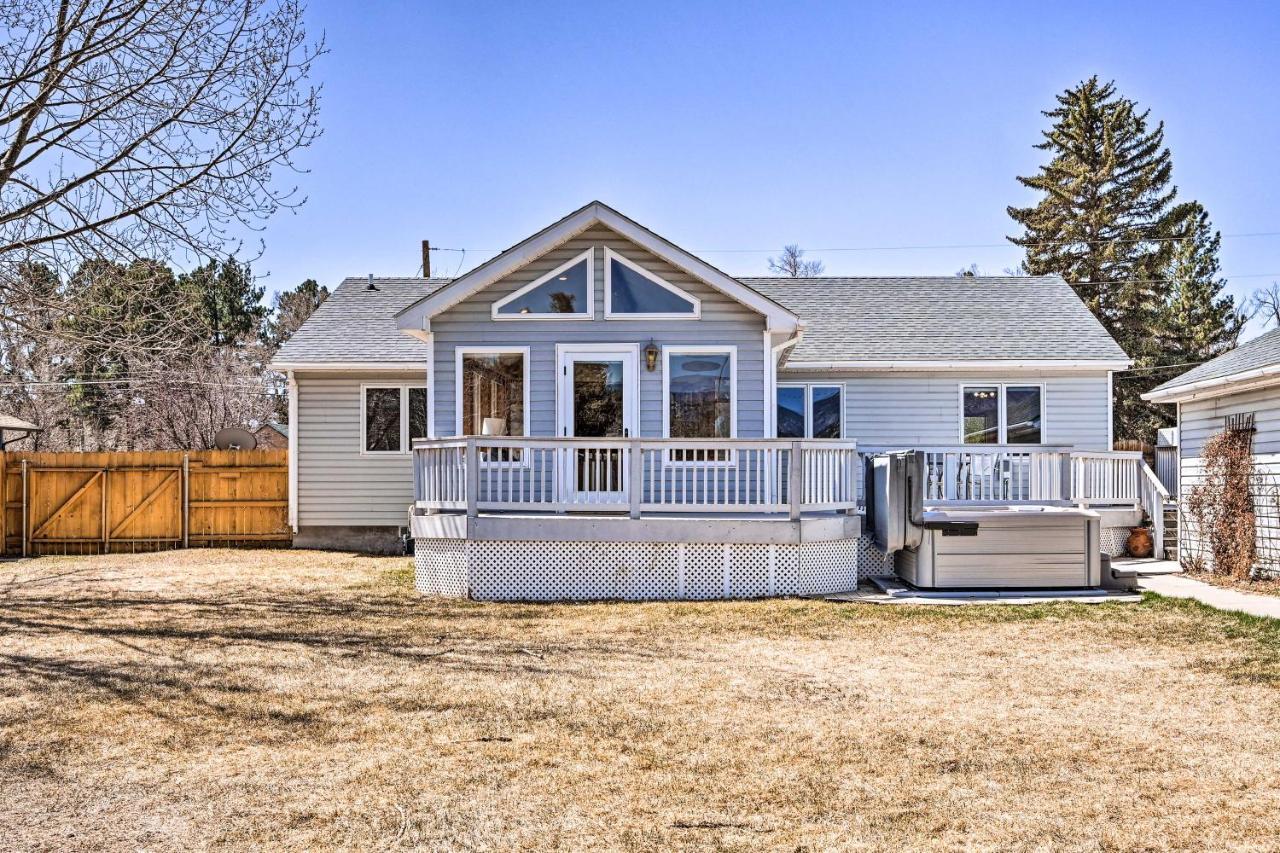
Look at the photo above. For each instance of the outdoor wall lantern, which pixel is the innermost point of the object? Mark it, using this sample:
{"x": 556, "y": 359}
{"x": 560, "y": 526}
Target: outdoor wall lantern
{"x": 651, "y": 356}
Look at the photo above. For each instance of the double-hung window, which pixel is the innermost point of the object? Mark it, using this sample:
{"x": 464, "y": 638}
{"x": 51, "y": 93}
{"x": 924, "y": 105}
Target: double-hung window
{"x": 1002, "y": 413}
{"x": 391, "y": 417}
{"x": 809, "y": 411}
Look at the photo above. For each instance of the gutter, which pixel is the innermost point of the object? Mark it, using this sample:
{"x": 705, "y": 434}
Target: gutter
{"x": 1218, "y": 386}
{"x": 962, "y": 365}
{"x": 347, "y": 366}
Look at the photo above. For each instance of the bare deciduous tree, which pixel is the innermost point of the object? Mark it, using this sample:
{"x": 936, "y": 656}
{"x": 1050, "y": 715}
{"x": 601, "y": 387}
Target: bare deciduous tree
{"x": 791, "y": 263}
{"x": 1265, "y": 303}
{"x": 144, "y": 128}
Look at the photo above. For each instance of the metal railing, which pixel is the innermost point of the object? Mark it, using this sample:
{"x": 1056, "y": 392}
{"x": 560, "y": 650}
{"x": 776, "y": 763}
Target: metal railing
{"x": 635, "y": 475}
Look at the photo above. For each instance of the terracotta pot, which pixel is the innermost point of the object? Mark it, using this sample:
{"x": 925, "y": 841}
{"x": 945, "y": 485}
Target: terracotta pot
{"x": 1139, "y": 543}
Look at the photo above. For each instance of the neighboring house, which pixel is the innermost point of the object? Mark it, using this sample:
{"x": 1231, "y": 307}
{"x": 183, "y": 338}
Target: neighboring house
{"x": 272, "y": 436}
{"x": 1237, "y": 390}
{"x": 596, "y": 332}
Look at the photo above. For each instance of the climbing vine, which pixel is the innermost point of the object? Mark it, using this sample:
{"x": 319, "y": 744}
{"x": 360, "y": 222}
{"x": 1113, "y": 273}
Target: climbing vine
{"x": 1221, "y": 506}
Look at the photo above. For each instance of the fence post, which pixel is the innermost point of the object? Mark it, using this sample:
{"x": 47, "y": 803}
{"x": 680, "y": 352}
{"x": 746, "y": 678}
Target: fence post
{"x": 4, "y": 502}
{"x": 635, "y": 487}
{"x": 24, "y": 508}
{"x": 473, "y": 478}
{"x": 186, "y": 500}
{"x": 795, "y": 488}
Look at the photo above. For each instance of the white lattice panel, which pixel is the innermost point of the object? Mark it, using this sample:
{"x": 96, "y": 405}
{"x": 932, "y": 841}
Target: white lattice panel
{"x": 749, "y": 571}
{"x": 555, "y": 571}
{"x": 872, "y": 562}
{"x": 787, "y": 569}
{"x": 704, "y": 572}
{"x": 440, "y": 567}
{"x": 1112, "y": 540}
{"x": 828, "y": 567}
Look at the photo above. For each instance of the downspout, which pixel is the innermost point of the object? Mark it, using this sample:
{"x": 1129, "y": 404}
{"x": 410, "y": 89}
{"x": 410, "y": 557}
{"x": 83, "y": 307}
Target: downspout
{"x": 771, "y": 392}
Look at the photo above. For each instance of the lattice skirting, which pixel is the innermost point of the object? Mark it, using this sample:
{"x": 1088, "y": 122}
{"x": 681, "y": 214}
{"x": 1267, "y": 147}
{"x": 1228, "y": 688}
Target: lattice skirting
{"x": 872, "y": 562}
{"x": 1113, "y": 540}
{"x": 635, "y": 571}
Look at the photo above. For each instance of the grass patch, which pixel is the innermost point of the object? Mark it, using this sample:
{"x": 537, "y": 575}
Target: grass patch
{"x": 295, "y": 699}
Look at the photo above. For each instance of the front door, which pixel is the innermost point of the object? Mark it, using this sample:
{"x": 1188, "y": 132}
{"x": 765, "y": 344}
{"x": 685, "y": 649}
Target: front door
{"x": 597, "y": 400}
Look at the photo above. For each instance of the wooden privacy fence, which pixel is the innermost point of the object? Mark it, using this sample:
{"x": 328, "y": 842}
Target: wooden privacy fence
{"x": 91, "y": 503}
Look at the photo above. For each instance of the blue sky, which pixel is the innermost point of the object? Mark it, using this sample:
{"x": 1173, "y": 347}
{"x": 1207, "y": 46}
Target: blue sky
{"x": 747, "y": 126}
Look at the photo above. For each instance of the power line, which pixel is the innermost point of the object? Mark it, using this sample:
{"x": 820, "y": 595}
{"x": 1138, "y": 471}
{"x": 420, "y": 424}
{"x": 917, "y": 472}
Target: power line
{"x": 940, "y": 246}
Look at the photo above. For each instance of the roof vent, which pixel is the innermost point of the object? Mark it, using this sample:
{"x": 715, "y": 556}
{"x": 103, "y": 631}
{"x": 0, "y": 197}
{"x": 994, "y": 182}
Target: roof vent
{"x": 371, "y": 285}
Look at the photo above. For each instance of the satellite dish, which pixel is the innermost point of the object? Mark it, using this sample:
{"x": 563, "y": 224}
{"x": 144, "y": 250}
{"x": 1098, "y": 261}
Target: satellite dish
{"x": 234, "y": 438}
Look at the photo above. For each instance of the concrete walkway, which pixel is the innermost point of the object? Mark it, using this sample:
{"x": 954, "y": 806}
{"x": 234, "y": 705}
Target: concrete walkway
{"x": 1177, "y": 586}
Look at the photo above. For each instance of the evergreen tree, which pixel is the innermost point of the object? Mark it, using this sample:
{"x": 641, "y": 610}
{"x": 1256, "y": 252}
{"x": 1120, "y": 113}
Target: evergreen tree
{"x": 1200, "y": 321}
{"x": 230, "y": 304}
{"x": 289, "y": 310}
{"x": 1104, "y": 223}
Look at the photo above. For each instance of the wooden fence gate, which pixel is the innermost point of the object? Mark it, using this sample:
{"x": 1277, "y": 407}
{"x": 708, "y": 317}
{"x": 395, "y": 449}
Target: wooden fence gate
{"x": 91, "y": 503}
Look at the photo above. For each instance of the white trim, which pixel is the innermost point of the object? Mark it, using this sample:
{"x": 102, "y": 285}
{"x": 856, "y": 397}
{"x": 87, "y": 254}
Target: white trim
{"x": 1245, "y": 380}
{"x": 430, "y": 340}
{"x": 347, "y": 366}
{"x": 631, "y": 382}
{"x": 293, "y": 449}
{"x": 707, "y": 349}
{"x": 808, "y": 404}
{"x": 609, "y": 257}
{"x": 770, "y": 381}
{"x": 1003, "y": 414}
{"x": 406, "y": 442}
{"x": 588, "y": 314}
{"x": 458, "y": 354}
{"x": 418, "y": 315}
{"x": 1111, "y": 401}
{"x": 959, "y": 365}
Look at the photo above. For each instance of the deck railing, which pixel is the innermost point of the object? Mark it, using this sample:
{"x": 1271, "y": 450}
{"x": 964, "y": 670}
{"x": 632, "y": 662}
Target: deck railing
{"x": 754, "y": 476}
{"x": 636, "y": 476}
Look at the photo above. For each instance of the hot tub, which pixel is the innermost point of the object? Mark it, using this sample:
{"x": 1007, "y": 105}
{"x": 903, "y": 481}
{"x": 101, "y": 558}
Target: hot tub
{"x": 1003, "y": 547}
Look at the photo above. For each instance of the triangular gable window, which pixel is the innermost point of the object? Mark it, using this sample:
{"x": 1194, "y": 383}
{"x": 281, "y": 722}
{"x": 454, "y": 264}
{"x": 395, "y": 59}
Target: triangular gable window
{"x": 632, "y": 292}
{"x": 565, "y": 293}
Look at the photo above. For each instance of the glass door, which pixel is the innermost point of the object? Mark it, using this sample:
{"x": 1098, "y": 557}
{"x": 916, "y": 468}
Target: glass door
{"x": 597, "y": 399}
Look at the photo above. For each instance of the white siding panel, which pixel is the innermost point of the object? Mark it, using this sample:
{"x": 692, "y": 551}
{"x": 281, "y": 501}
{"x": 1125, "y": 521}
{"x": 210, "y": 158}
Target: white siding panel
{"x": 724, "y": 321}
{"x": 904, "y": 409}
{"x": 336, "y": 484}
{"x": 1201, "y": 420}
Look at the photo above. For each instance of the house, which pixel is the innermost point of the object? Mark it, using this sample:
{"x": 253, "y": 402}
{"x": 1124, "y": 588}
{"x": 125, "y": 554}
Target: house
{"x": 597, "y": 412}
{"x": 1239, "y": 390}
{"x": 272, "y": 435}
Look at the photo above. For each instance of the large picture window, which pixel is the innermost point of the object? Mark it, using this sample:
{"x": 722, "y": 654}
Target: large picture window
{"x": 699, "y": 385}
{"x": 810, "y": 411}
{"x": 492, "y": 392}
{"x": 391, "y": 417}
{"x": 1002, "y": 414}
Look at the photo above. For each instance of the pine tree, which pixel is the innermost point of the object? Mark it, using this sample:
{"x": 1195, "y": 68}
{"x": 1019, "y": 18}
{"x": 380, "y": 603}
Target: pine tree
{"x": 1104, "y": 223}
{"x": 1200, "y": 321}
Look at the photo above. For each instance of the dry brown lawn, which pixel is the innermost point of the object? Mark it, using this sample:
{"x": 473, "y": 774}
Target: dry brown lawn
{"x": 301, "y": 700}
{"x": 1262, "y": 586}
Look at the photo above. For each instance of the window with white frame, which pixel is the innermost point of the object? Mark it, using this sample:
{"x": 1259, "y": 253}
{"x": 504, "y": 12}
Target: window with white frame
{"x": 492, "y": 391}
{"x": 699, "y": 388}
{"x": 1002, "y": 413}
{"x": 391, "y": 417}
{"x": 565, "y": 293}
{"x": 809, "y": 411}
{"x": 633, "y": 292}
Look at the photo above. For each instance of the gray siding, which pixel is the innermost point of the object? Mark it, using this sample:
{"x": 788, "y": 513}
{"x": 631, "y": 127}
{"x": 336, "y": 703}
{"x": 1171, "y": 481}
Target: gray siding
{"x": 337, "y": 485}
{"x": 724, "y": 321}
{"x": 924, "y": 409}
{"x": 1199, "y": 421}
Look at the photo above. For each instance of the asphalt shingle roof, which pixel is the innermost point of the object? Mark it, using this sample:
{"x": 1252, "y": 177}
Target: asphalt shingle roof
{"x": 1262, "y": 351}
{"x": 847, "y": 319}
{"x": 942, "y": 317}
{"x": 356, "y": 324}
